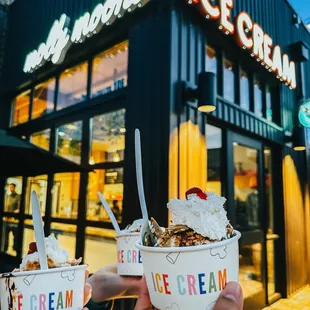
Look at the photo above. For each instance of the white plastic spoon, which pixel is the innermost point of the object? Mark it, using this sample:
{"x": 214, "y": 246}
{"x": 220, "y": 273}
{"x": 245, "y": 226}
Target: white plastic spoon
{"x": 145, "y": 231}
{"x": 140, "y": 175}
{"x": 110, "y": 213}
{"x": 38, "y": 230}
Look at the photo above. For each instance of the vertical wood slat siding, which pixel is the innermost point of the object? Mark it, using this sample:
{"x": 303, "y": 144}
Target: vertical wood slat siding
{"x": 295, "y": 228}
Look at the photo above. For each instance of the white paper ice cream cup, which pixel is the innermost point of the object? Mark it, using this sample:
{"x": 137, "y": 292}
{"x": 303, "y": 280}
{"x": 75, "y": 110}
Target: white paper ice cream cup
{"x": 57, "y": 288}
{"x": 190, "y": 277}
{"x": 129, "y": 262}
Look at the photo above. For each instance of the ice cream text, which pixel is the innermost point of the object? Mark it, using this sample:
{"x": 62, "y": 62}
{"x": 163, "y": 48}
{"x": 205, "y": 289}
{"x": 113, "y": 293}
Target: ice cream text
{"x": 129, "y": 256}
{"x": 190, "y": 284}
{"x": 43, "y": 301}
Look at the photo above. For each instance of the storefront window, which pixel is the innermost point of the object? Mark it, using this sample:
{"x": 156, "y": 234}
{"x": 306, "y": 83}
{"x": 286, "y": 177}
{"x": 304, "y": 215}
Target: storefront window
{"x": 69, "y": 141}
{"x": 108, "y": 137}
{"x": 100, "y": 248}
{"x": 110, "y": 70}
{"x": 72, "y": 86}
{"x": 229, "y": 80}
{"x": 9, "y": 235}
{"x": 244, "y": 91}
{"x": 43, "y": 99}
{"x": 41, "y": 139}
{"x": 13, "y": 191}
{"x": 250, "y": 272}
{"x": 65, "y": 195}
{"x": 211, "y": 60}
{"x": 66, "y": 236}
{"x": 21, "y": 104}
{"x": 39, "y": 184}
{"x": 110, "y": 183}
{"x": 214, "y": 159}
{"x": 246, "y": 187}
{"x": 258, "y": 98}
{"x": 268, "y": 103}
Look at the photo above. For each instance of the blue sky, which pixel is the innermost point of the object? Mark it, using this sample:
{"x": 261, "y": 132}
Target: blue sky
{"x": 302, "y": 7}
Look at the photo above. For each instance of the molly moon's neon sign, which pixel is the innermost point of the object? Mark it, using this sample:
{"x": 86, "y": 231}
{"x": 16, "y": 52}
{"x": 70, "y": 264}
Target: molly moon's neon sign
{"x": 250, "y": 36}
{"x": 60, "y": 39}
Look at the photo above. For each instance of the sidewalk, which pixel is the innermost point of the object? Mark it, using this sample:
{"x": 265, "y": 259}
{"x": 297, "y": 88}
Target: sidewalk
{"x": 300, "y": 300}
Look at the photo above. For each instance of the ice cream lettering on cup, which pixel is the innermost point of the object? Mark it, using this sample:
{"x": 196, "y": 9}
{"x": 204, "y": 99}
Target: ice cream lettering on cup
{"x": 59, "y": 287}
{"x": 193, "y": 258}
{"x": 129, "y": 261}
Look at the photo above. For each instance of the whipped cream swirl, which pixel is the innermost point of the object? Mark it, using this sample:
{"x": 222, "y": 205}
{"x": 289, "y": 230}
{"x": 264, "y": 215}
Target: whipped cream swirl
{"x": 206, "y": 217}
{"x": 134, "y": 227}
{"x": 53, "y": 251}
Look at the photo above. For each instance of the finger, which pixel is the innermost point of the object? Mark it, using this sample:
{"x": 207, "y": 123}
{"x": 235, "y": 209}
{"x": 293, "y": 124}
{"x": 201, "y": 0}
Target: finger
{"x": 231, "y": 298}
{"x": 87, "y": 293}
{"x": 144, "y": 302}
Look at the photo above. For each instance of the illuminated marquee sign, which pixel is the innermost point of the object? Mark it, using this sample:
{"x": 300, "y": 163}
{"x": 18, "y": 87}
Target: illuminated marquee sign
{"x": 60, "y": 38}
{"x": 250, "y": 36}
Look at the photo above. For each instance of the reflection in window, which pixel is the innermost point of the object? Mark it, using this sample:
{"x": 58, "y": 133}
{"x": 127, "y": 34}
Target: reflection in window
{"x": 110, "y": 70}
{"x": 28, "y": 236}
{"x": 21, "y": 106}
{"x": 211, "y": 61}
{"x": 110, "y": 183}
{"x": 65, "y": 195}
{"x": 69, "y": 141}
{"x": 250, "y": 273}
{"x": 99, "y": 241}
{"x": 258, "y": 98}
{"x": 229, "y": 81}
{"x": 41, "y": 139}
{"x": 39, "y": 184}
{"x": 12, "y": 192}
{"x": 72, "y": 86}
{"x": 108, "y": 137}
{"x": 268, "y": 103}
{"x": 246, "y": 187}
{"x": 9, "y": 236}
{"x": 43, "y": 99}
{"x": 66, "y": 236}
{"x": 214, "y": 159}
{"x": 244, "y": 91}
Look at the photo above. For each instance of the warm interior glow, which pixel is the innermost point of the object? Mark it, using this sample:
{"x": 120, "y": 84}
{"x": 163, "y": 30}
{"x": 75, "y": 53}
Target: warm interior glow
{"x": 295, "y": 226}
{"x": 206, "y": 108}
{"x": 299, "y": 148}
{"x": 21, "y": 108}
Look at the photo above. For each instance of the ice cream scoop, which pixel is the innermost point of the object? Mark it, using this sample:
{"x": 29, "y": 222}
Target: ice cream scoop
{"x": 203, "y": 212}
{"x": 56, "y": 256}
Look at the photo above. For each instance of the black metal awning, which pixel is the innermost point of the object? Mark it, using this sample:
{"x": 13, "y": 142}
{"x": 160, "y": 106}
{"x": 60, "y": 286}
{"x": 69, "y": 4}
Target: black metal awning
{"x": 21, "y": 158}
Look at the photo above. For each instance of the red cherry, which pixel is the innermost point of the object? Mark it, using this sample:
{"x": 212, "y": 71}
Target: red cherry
{"x": 32, "y": 248}
{"x": 199, "y": 192}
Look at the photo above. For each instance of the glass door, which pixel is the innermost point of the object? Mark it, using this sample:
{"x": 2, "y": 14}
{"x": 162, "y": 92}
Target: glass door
{"x": 246, "y": 205}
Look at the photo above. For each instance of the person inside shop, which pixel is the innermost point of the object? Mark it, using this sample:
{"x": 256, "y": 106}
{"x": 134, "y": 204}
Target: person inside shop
{"x": 12, "y": 204}
{"x": 106, "y": 285}
{"x": 116, "y": 209}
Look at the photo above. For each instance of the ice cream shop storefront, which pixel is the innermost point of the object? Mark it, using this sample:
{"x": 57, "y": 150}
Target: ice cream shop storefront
{"x": 215, "y": 88}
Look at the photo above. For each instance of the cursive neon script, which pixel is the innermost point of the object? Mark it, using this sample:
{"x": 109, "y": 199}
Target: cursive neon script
{"x": 59, "y": 39}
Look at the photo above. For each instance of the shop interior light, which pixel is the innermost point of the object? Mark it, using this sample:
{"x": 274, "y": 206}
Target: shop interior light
{"x": 205, "y": 93}
{"x": 298, "y": 139}
{"x": 116, "y": 157}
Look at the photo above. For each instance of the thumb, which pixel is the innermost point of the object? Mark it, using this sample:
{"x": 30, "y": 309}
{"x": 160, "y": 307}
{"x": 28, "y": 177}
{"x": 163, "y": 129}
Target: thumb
{"x": 144, "y": 302}
{"x": 231, "y": 298}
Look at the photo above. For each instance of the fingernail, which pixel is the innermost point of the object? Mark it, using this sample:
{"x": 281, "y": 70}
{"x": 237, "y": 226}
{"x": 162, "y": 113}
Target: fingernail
{"x": 232, "y": 290}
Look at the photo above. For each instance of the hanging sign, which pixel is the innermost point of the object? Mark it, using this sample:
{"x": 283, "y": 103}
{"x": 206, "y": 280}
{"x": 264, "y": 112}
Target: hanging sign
{"x": 60, "y": 38}
{"x": 304, "y": 113}
{"x": 250, "y": 36}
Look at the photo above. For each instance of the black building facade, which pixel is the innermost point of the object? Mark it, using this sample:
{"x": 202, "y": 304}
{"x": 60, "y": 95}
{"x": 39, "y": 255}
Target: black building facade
{"x": 130, "y": 70}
